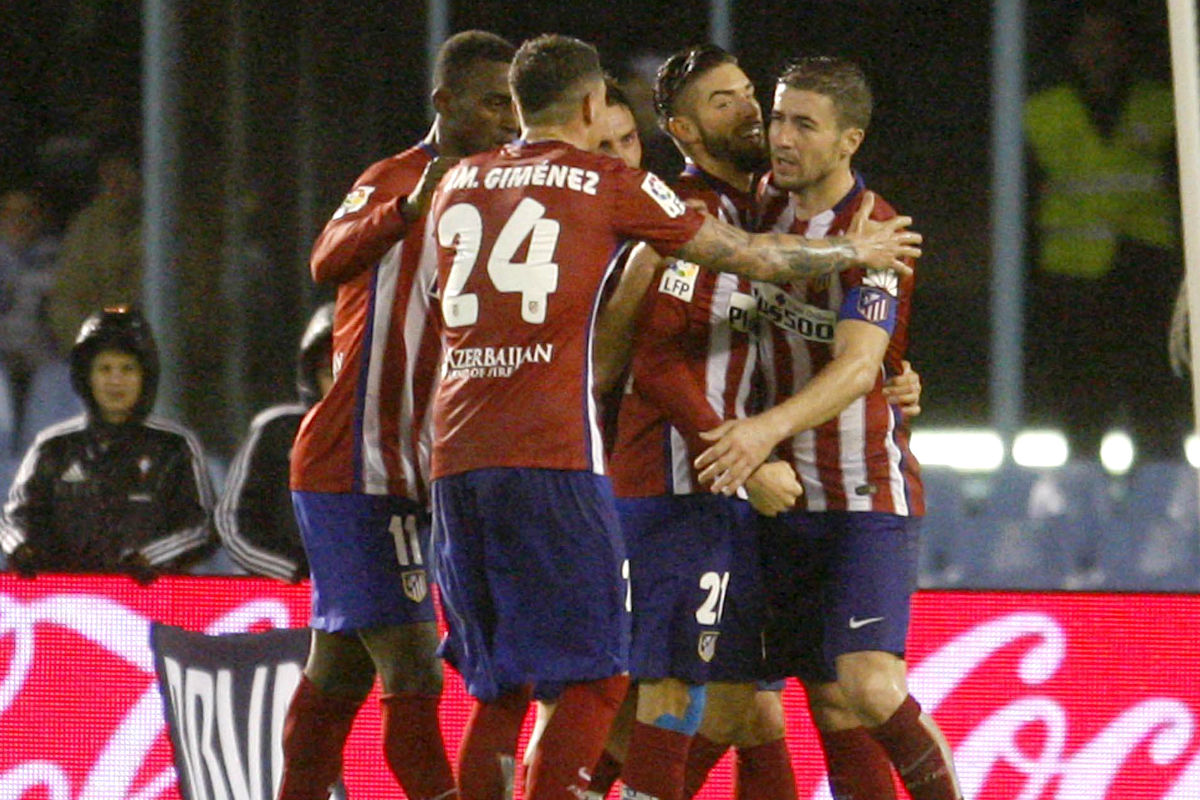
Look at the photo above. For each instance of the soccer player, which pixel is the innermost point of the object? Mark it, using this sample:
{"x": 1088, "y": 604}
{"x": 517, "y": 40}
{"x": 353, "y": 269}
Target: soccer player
{"x": 620, "y": 138}
{"x": 357, "y": 477}
{"x": 527, "y": 548}
{"x": 694, "y": 367}
{"x": 695, "y": 606}
{"x": 841, "y": 572}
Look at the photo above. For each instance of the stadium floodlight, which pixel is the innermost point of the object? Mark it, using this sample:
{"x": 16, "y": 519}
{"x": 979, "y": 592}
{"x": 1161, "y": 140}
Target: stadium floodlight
{"x": 1040, "y": 448}
{"x": 966, "y": 449}
{"x": 1117, "y": 452}
{"x": 1191, "y": 448}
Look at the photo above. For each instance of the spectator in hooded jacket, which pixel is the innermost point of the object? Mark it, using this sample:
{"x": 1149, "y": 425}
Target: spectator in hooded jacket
{"x": 114, "y": 489}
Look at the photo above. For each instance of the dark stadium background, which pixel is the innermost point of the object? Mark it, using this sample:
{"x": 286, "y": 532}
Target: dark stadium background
{"x": 928, "y": 151}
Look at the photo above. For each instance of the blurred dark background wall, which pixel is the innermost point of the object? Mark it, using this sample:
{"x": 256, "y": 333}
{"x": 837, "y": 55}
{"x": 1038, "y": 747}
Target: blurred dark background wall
{"x": 331, "y": 87}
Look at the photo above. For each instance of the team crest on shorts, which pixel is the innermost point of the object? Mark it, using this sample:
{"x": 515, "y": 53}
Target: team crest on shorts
{"x": 415, "y": 586}
{"x": 707, "y": 646}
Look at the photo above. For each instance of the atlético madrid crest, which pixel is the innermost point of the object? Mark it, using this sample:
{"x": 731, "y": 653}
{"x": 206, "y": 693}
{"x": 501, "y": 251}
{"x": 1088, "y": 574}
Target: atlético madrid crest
{"x": 707, "y": 646}
{"x": 415, "y": 587}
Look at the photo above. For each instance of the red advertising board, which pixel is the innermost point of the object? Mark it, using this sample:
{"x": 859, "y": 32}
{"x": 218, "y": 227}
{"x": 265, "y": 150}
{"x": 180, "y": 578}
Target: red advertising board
{"x": 1063, "y": 696}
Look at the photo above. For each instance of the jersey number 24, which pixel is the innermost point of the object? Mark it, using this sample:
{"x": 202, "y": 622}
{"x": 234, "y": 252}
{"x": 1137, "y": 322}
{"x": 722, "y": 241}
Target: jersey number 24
{"x": 535, "y": 278}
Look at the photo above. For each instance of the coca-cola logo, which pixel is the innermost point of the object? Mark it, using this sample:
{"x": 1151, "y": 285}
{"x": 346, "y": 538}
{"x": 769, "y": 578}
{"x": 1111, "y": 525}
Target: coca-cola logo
{"x": 1043, "y": 697}
{"x": 82, "y": 655}
{"x": 1072, "y": 697}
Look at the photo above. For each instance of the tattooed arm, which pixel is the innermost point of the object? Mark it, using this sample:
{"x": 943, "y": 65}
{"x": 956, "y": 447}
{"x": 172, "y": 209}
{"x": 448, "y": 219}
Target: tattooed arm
{"x": 780, "y": 257}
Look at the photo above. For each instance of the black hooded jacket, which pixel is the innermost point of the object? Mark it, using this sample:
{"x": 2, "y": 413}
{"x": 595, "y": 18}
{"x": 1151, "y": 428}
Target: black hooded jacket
{"x": 89, "y": 494}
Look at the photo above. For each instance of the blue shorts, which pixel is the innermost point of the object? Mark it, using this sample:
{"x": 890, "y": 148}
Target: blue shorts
{"x": 740, "y": 656}
{"x": 532, "y": 569}
{"x": 686, "y": 621}
{"x": 366, "y": 554}
{"x": 837, "y": 582}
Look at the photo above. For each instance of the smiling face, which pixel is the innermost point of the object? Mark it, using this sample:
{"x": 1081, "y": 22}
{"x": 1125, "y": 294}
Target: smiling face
{"x": 115, "y": 379}
{"x": 727, "y": 119}
{"x": 808, "y": 143}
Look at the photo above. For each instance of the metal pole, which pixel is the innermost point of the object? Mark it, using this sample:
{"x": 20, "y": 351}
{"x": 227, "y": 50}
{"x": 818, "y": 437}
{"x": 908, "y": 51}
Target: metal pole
{"x": 306, "y": 147}
{"x": 234, "y": 278}
{"x": 1006, "y": 377}
{"x": 1182, "y": 22}
{"x": 437, "y": 30}
{"x": 161, "y": 191}
{"x": 720, "y": 23}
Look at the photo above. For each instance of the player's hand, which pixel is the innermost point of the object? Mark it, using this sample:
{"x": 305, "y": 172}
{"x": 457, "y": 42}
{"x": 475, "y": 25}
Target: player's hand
{"x": 137, "y": 567}
{"x": 882, "y": 244}
{"x": 23, "y": 561}
{"x": 904, "y": 390}
{"x": 418, "y": 200}
{"x": 773, "y": 488}
{"x": 739, "y": 447}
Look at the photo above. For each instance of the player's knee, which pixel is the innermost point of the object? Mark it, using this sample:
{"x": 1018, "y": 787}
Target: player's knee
{"x": 874, "y": 697}
{"x": 346, "y": 680}
{"x": 686, "y": 709}
{"x": 405, "y": 658}
{"x": 768, "y": 722}
{"x": 412, "y": 676}
{"x": 727, "y": 711}
{"x": 339, "y": 665}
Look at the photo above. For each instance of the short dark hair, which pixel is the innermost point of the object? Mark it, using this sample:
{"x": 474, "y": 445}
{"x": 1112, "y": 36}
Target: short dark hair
{"x": 677, "y": 73}
{"x": 614, "y": 94}
{"x": 840, "y": 80}
{"x": 547, "y": 69}
{"x": 461, "y": 52}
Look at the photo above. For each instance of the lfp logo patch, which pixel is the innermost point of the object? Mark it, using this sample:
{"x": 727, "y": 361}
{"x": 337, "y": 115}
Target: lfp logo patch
{"x": 662, "y": 194}
{"x": 679, "y": 280}
{"x": 354, "y": 201}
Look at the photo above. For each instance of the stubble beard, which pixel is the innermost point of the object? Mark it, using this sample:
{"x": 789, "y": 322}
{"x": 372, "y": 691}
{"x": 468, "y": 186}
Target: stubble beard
{"x": 743, "y": 154}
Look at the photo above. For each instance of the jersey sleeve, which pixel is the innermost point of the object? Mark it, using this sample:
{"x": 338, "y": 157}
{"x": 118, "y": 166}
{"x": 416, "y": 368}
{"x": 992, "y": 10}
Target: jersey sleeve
{"x": 365, "y": 226}
{"x": 27, "y": 511}
{"x": 187, "y": 496}
{"x": 660, "y": 363}
{"x": 254, "y": 518}
{"x": 876, "y": 296}
{"x": 649, "y": 210}
{"x": 871, "y": 296}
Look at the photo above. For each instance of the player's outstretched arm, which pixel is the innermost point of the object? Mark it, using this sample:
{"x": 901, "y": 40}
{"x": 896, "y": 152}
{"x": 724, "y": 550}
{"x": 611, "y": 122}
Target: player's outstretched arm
{"x": 780, "y": 257}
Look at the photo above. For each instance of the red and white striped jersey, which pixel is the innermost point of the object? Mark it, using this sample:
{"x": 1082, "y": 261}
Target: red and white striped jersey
{"x": 527, "y": 235}
{"x": 370, "y": 433}
{"x": 860, "y": 459}
{"x": 694, "y": 360}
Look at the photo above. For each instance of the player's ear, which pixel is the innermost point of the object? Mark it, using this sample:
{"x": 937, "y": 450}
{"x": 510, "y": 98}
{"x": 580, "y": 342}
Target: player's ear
{"x": 683, "y": 129}
{"x": 441, "y": 100}
{"x": 852, "y": 138}
{"x": 587, "y": 108}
